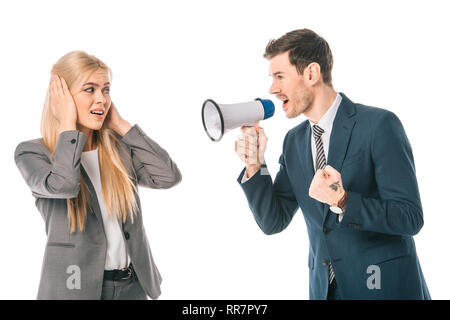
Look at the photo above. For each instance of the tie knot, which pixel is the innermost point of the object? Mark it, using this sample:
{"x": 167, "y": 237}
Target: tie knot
{"x": 318, "y": 131}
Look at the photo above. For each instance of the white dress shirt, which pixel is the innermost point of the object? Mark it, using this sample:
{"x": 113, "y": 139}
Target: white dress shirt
{"x": 116, "y": 252}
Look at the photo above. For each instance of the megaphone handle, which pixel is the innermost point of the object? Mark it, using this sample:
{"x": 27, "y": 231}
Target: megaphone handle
{"x": 256, "y": 125}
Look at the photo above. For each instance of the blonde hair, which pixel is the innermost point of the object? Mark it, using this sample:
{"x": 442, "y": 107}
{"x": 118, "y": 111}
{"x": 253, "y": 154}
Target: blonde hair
{"x": 117, "y": 187}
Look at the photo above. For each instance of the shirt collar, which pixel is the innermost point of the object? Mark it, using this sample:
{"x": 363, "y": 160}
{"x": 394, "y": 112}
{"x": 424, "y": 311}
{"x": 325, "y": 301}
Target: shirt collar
{"x": 326, "y": 122}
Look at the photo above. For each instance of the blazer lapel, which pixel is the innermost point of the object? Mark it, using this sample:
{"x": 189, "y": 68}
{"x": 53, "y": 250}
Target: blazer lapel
{"x": 94, "y": 200}
{"x": 341, "y": 133}
{"x": 340, "y": 137}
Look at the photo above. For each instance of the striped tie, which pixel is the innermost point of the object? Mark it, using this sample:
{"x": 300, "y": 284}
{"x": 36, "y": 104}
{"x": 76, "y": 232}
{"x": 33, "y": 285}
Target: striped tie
{"x": 320, "y": 164}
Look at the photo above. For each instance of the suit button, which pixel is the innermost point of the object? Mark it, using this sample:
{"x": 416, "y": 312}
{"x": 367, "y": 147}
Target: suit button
{"x": 73, "y": 141}
{"x": 326, "y": 230}
{"x": 127, "y": 235}
{"x": 325, "y": 262}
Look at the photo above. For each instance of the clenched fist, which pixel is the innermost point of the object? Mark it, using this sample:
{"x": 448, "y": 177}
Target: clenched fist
{"x": 326, "y": 186}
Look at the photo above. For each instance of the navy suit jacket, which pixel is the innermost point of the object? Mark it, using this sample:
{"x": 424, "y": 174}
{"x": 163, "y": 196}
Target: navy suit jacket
{"x": 369, "y": 147}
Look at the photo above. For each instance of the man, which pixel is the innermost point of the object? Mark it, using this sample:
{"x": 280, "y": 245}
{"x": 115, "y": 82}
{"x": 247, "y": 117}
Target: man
{"x": 350, "y": 170}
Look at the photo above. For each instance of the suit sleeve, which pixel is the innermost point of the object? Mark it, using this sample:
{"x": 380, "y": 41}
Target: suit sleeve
{"x": 273, "y": 204}
{"x": 59, "y": 179}
{"x": 153, "y": 165}
{"x": 398, "y": 209}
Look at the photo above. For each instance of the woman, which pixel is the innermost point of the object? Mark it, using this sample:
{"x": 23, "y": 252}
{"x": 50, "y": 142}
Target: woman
{"x": 84, "y": 173}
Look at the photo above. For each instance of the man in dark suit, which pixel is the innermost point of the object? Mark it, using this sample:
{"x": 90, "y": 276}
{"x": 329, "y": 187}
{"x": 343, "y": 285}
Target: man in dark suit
{"x": 350, "y": 170}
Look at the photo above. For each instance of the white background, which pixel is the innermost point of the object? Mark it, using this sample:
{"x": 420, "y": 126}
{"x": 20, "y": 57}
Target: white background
{"x": 167, "y": 58}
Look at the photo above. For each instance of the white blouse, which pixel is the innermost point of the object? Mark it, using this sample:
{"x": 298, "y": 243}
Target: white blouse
{"x": 116, "y": 253}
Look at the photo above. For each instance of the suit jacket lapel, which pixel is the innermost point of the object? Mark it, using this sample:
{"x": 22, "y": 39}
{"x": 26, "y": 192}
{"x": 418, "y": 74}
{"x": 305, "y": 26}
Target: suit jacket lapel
{"x": 93, "y": 195}
{"x": 340, "y": 137}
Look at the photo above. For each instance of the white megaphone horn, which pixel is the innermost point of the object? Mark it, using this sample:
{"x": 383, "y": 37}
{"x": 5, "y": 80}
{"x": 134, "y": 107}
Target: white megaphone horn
{"x": 221, "y": 118}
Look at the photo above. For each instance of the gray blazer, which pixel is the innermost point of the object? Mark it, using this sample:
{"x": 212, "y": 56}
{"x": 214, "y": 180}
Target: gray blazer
{"x": 74, "y": 263}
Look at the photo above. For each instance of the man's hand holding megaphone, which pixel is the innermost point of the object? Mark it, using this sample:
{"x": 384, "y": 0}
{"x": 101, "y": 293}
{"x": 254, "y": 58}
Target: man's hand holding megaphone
{"x": 250, "y": 147}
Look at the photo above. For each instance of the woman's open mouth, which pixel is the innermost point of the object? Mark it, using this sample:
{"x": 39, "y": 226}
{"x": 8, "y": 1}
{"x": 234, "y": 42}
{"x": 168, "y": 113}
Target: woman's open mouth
{"x": 98, "y": 114}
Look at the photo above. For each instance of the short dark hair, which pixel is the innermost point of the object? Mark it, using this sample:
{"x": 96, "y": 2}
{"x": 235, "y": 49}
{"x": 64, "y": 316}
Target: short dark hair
{"x": 305, "y": 47}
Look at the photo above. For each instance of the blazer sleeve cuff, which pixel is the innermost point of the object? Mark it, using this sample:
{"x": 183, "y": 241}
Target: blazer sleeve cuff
{"x": 351, "y": 217}
{"x": 69, "y": 148}
{"x": 242, "y": 179}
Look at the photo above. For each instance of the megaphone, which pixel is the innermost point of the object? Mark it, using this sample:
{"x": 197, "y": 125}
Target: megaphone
{"x": 221, "y": 118}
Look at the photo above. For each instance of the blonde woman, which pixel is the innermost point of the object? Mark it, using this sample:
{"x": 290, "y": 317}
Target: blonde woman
{"x": 84, "y": 174}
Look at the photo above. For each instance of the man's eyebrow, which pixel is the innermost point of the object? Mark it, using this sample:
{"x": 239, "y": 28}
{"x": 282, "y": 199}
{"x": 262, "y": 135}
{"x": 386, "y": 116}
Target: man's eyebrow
{"x": 275, "y": 74}
{"x": 95, "y": 84}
